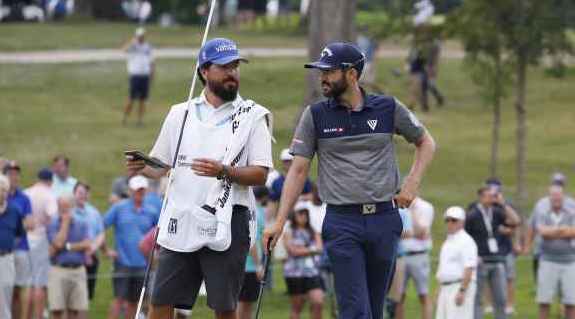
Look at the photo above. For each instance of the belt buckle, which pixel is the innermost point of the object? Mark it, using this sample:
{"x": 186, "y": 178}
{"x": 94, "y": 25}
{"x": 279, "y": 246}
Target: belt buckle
{"x": 368, "y": 209}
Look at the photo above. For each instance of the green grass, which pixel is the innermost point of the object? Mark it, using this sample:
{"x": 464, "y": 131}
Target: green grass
{"x": 76, "y": 109}
{"x": 93, "y": 35}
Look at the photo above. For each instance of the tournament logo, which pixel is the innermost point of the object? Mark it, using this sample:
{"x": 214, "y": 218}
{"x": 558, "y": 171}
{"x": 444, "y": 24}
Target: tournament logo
{"x": 173, "y": 226}
{"x": 372, "y": 124}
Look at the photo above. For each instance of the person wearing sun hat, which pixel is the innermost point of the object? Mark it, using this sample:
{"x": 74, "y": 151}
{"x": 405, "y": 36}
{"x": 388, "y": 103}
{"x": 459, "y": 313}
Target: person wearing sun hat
{"x": 456, "y": 271}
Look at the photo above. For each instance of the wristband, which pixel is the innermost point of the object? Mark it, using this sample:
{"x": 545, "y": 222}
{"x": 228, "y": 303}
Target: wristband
{"x": 68, "y": 246}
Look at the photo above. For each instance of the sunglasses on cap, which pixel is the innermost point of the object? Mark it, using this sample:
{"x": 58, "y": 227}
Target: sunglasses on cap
{"x": 451, "y": 220}
{"x": 348, "y": 65}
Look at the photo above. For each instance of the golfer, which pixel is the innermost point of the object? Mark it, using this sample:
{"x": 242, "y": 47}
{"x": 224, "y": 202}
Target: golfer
{"x": 358, "y": 178}
{"x": 225, "y": 148}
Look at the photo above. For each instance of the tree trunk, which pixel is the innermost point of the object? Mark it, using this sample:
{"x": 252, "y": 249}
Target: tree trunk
{"x": 495, "y": 133}
{"x": 84, "y": 8}
{"x": 521, "y": 133}
{"x": 330, "y": 20}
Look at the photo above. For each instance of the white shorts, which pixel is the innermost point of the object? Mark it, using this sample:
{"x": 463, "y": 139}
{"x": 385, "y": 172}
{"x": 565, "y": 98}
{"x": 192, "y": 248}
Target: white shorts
{"x": 552, "y": 277}
{"x": 40, "y": 258}
{"x": 23, "y": 277}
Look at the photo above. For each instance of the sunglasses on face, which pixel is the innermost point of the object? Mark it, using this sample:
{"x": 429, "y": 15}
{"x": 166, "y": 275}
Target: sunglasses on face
{"x": 451, "y": 220}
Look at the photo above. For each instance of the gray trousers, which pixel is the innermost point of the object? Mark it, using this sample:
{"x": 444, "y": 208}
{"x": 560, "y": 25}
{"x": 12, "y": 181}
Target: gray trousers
{"x": 494, "y": 275}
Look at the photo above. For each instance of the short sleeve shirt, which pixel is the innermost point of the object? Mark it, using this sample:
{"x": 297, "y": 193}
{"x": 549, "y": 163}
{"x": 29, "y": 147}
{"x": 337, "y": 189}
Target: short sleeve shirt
{"x": 278, "y": 185}
{"x": 77, "y": 232}
{"x": 140, "y": 59}
{"x": 356, "y": 152}
{"x": 458, "y": 252}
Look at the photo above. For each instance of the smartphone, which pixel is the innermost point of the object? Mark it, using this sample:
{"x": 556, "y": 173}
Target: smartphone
{"x": 150, "y": 161}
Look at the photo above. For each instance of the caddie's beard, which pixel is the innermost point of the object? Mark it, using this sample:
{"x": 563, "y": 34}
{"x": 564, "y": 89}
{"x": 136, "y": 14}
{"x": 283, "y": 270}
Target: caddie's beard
{"x": 334, "y": 89}
{"x": 226, "y": 90}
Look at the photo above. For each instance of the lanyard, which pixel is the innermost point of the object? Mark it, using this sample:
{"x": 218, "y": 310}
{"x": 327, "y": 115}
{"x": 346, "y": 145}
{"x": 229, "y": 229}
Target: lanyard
{"x": 486, "y": 220}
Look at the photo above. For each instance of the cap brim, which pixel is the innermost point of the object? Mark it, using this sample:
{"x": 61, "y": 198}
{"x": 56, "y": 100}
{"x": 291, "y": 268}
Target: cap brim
{"x": 229, "y": 59}
{"x": 319, "y": 65}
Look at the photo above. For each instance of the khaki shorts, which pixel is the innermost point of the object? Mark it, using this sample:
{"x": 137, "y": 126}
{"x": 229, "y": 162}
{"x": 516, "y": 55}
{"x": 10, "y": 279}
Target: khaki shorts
{"x": 67, "y": 289}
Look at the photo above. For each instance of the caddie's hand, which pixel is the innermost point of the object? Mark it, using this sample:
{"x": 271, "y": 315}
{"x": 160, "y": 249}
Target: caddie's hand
{"x": 407, "y": 194}
{"x": 459, "y": 298}
{"x": 207, "y": 167}
{"x": 134, "y": 166}
{"x": 271, "y": 236}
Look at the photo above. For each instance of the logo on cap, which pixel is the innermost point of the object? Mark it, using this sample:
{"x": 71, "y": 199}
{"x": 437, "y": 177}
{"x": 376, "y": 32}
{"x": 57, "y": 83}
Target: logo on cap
{"x": 326, "y": 52}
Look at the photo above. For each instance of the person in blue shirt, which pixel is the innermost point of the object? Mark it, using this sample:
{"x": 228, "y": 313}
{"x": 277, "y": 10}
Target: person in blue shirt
{"x": 69, "y": 242}
{"x": 254, "y": 268}
{"x": 278, "y": 184}
{"x": 11, "y": 227}
{"x": 21, "y": 296}
{"x": 131, "y": 220}
{"x": 91, "y": 216}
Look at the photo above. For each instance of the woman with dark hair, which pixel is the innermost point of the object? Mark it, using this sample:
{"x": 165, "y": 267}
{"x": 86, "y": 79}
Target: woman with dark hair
{"x": 301, "y": 269}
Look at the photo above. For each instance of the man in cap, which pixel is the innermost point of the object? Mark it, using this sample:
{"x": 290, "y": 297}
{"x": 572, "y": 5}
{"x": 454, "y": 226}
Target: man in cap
{"x": 141, "y": 71}
{"x": 457, "y": 267}
{"x": 358, "y": 178}
{"x": 21, "y": 299}
{"x": 216, "y": 118}
{"x": 131, "y": 220}
{"x": 44, "y": 208}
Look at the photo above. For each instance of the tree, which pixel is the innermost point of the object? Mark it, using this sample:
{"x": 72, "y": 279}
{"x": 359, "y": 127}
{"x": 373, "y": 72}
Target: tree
{"x": 484, "y": 58}
{"x": 525, "y": 31}
{"x": 330, "y": 20}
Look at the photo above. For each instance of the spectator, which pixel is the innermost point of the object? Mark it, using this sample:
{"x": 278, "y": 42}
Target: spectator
{"x": 456, "y": 271}
{"x": 432, "y": 67}
{"x": 44, "y": 208}
{"x": 62, "y": 182}
{"x": 508, "y": 245}
{"x": 120, "y": 188}
{"x": 532, "y": 238}
{"x": 141, "y": 71}
{"x": 131, "y": 220}
{"x": 11, "y": 227}
{"x": 275, "y": 196}
{"x": 84, "y": 211}
{"x": 417, "y": 249}
{"x": 69, "y": 242}
{"x": 556, "y": 226}
{"x": 418, "y": 80}
{"x": 368, "y": 47}
{"x": 278, "y": 183}
{"x": 21, "y": 298}
{"x": 394, "y": 306}
{"x": 488, "y": 224}
{"x": 254, "y": 268}
{"x": 301, "y": 269}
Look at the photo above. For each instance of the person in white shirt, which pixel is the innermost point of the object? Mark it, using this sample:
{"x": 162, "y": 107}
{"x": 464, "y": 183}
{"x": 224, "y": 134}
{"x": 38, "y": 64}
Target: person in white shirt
{"x": 191, "y": 223}
{"x": 62, "y": 182}
{"x": 141, "y": 71}
{"x": 456, "y": 272}
{"x": 416, "y": 251}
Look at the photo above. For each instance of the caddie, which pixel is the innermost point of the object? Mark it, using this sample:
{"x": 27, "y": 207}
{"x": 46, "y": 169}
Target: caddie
{"x": 204, "y": 231}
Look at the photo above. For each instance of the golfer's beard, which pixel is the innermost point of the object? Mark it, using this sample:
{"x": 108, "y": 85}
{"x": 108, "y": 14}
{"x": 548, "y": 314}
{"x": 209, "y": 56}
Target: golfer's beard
{"x": 223, "y": 92}
{"x": 336, "y": 89}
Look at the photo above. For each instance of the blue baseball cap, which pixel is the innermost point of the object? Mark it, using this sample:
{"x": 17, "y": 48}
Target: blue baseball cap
{"x": 45, "y": 174}
{"x": 219, "y": 51}
{"x": 339, "y": 55}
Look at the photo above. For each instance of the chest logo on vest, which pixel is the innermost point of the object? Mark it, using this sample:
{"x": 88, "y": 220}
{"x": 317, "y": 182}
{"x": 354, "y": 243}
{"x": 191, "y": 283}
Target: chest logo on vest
{"x": 173, "y": 226}
{"x": 372, "y": 124}
{"x": 333, "y": 130}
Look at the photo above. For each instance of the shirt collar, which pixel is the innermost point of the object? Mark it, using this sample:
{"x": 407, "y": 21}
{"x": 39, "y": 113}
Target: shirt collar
{"x": 333, "y": 103}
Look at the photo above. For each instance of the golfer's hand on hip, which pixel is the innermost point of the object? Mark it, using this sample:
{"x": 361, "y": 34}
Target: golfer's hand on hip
{"x": 407, "y": 194}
